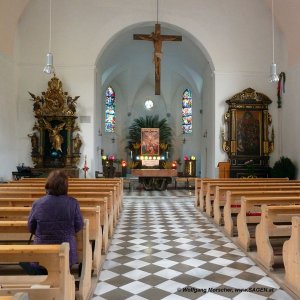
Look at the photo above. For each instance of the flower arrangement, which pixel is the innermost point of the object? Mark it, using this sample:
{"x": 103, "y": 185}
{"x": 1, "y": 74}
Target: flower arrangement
{"x": 163, "y": 146}
{"x": 186, "y": 157}
{"x": 136, "y": 145}
{"x": 109, "y": 157}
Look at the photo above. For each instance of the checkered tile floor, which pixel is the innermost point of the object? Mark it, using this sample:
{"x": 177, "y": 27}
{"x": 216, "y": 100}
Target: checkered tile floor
{"x": 163, "y": 248}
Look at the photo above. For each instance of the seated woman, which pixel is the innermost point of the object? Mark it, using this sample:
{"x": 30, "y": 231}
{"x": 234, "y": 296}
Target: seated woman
{"x": 55, "y": 218}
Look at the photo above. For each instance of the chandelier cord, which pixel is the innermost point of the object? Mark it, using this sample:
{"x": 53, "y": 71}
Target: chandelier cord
{"x": 50, "y": 26}
{"x": 273, "y": 46}
{"x": 157, "y": 11}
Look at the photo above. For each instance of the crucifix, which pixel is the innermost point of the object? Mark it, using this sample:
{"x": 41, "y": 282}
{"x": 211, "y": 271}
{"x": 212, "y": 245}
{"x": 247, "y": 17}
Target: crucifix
{"x": 157, "y": 40}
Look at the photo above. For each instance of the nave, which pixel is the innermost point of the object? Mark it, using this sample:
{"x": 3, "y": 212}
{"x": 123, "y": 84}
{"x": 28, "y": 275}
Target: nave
{"x": 163, "y": 248}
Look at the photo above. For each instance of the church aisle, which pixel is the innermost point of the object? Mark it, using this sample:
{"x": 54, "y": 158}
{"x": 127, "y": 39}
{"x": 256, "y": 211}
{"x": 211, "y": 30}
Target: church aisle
{"x": 164, "y": 249}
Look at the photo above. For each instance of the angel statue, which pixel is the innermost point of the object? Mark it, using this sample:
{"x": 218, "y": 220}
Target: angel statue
{"x": 71, "y": 103}
{"x": 34, "y": 141}
{"x": 55, "y": 138}
{"x": 77, "y": 143}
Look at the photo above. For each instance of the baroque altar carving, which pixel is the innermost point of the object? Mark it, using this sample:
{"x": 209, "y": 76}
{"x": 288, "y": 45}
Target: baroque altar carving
{"x": 248, "y": 144}
{"x": 55, "y": 140}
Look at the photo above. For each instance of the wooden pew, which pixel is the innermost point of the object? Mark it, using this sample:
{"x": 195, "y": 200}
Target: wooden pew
{"x": 17, "y": 231}
{"x": 80, "y": 196}
{"x": 250, "y": 213}
{"x": 116, "y": 181}
{"x": 92, "y": 202}
{"x": 201, "y": 187}
{"x": 17, "y": 296}
{"x": 111, "y": 192}
{"x": 273, "y": 224}
{"x": 54, "y": 257}
{"x": 212, "y": 188}
{"x": 92, "y": 214}
{"x": 116, "y": 187}
{"x": 233, "y": 202}
{"x": 291, "y": 257}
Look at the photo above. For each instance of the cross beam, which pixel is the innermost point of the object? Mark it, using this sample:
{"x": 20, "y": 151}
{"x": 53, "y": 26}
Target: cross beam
{"x": 157, "y": 40}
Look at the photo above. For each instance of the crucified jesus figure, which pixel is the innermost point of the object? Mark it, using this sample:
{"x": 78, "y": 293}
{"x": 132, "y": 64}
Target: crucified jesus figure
{"x": 157, "y": 40}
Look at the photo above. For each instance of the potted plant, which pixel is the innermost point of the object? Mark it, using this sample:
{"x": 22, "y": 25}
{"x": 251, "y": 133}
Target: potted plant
{"x": 284, "y": 167}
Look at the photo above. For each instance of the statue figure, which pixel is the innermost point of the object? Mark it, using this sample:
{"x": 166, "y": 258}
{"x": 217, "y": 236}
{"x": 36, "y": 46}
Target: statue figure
{"x": 71, "y": 103}
{"x": 34, "y": 141}
{"x": 77, "y": 143}
{"x": 55, "y": 138}
{"x": 37, "y": 103}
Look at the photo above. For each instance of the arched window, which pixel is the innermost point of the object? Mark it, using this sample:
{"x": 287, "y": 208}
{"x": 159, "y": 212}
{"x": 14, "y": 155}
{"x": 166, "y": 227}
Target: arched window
{"x": 110, "y": 110}
{"x": 187, "y": 111}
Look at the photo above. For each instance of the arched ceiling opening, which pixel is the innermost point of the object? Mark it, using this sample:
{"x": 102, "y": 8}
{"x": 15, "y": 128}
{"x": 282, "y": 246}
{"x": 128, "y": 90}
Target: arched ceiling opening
{"x": 133, "y": 60}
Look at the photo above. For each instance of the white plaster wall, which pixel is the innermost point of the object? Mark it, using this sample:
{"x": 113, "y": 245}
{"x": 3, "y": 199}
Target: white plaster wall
{"x": 237, "y": 47}
{"x": 8, "y": 119}
{"x": 290, "y": 119}
{"x": 207, "y": 132}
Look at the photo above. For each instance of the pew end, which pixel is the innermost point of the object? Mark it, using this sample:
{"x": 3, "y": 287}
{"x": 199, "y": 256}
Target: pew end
{"x": 58, "y": 284}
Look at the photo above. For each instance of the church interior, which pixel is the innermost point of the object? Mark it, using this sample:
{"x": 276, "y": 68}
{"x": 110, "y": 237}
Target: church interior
{"x": 183, "y": 113}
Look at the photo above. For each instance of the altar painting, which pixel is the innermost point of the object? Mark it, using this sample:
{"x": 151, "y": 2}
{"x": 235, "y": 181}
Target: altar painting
{"x": 149, "y": 141}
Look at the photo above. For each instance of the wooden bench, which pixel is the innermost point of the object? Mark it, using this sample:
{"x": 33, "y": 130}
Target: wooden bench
{"x": 92, "y": 214}
{"x": 17, "y": 231}
{"x": 114, "y": 209}
{"x": 35, "y": 194}
{"x": 291, "y": 257}
{"x": 17, "y": 296}
{"x": 200, "y": 186}
{"x": 233, "y": 202}
{"x": 275, "y": 223}
{"x": 58, "y": 284}
{"x": 93, "y": 202}
{"x": 250, "y": 214}
{"x": 114, "y": 184}
{"x": 117, "y": 181}
{"x": 212, "y": 189}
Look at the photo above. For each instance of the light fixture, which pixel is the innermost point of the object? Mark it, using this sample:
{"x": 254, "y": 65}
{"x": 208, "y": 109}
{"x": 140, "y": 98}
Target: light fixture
{"x": 49, "y": 68}
{"x": 148, "y": 104}
{"x": 273, "y": 75}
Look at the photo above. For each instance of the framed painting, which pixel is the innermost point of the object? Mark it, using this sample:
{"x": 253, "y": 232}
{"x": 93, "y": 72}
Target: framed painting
{"x": 149, "y": 141}
{"x": 248, "y": 132}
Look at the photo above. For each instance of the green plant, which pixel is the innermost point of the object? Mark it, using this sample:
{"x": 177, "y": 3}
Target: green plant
{"x": 284, "y": 167}
{"x": 165, "y": 131}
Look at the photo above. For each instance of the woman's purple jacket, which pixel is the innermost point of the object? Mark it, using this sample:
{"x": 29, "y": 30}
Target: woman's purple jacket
{"x": 54, "y": 220}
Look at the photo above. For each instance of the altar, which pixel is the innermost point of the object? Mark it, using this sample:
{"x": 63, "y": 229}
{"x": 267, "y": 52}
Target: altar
{"x": 154, "y": 179}
{"x": 55, "y": 140}
{"x": 150, "y": 153}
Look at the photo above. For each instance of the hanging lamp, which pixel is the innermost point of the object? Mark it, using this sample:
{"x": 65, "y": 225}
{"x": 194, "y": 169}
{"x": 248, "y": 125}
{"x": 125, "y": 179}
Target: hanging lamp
{"x": 49, "y": 68}
{"x": 273, "y": 75}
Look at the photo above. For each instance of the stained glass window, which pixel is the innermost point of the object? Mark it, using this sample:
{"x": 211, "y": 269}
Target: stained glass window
{"x": 110, "y": 110}
{"x": 187, "y": 118}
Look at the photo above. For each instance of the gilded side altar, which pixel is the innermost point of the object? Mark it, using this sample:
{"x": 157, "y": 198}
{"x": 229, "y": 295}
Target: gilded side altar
{"x": 55, "y": 140}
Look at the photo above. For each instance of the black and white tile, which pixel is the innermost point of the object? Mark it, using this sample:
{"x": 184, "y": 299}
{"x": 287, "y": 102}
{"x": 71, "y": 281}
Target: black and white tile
{"x": 163, "y": 248}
